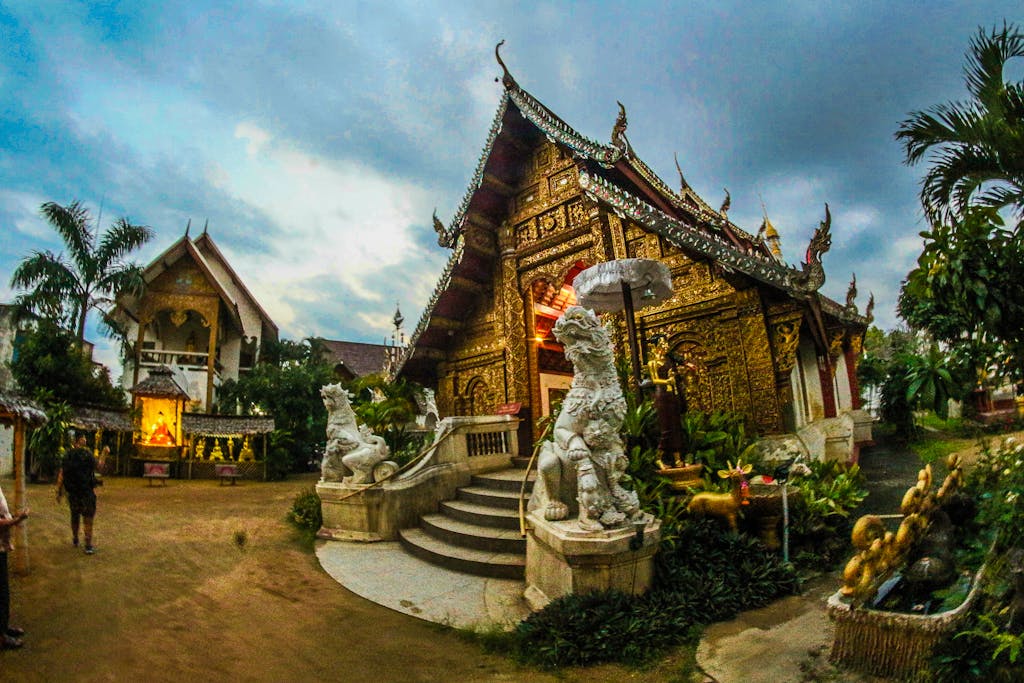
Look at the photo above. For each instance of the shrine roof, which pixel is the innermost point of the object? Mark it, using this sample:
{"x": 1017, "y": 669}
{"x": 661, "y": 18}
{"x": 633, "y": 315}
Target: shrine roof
{"x": 226, "y": 425}
{"x": 361, "y": 359}
{"x": 160, "y": 383}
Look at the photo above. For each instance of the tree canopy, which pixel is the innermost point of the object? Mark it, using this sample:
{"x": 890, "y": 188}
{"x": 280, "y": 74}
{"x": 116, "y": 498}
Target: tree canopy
{"x": 975, "y": 148}
{"x": 90, "y": 277}
{"x": 50, "y": 366}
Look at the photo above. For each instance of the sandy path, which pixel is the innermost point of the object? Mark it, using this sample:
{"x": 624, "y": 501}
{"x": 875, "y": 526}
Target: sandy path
{"x": 170, "y": 595}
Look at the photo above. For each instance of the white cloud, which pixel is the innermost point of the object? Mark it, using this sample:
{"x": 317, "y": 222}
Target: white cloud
{"x": 336, "y": 220}
{"x": 25, "y": 207}
{"x": 254, "y": 136}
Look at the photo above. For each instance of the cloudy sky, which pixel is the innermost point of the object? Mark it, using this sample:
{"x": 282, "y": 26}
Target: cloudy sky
{"x": 316, "y": 138}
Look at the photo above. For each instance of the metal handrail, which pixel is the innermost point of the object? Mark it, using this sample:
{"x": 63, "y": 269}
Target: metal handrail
{"x": 522, "y": 489}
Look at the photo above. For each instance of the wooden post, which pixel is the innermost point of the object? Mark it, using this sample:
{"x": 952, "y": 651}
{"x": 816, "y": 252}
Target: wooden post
{"x": 634, "y": 348}
{"x": 21, "y": 564}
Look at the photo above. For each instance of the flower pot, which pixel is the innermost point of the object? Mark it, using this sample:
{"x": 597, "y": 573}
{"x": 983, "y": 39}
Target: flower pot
{"x": 683, "y": 478}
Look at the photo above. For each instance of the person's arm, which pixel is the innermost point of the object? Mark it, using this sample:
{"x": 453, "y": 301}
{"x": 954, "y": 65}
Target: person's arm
{"x": 15, "y": 520}
{"x": 60, "y": 485}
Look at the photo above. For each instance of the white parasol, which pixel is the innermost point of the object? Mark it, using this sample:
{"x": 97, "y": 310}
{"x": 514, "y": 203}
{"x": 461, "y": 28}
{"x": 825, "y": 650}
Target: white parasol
{"x": 624, "y": 285}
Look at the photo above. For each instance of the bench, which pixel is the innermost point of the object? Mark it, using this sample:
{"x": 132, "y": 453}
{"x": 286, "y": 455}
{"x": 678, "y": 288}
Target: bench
{"x": 226, "y": 472}
{"x": 156, "y": 470}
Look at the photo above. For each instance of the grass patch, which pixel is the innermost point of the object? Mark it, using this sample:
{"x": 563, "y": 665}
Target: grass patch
{"x": 932, "y": 447}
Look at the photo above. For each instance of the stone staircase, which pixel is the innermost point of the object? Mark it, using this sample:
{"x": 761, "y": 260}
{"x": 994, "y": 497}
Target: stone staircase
{"x": 478, "y": 531}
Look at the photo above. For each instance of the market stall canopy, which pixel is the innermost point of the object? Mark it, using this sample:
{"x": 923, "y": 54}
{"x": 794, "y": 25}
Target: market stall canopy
{"x": 14, "y": 407}
{"x": 602, "y": 287}
{"x": 83, "y": 417}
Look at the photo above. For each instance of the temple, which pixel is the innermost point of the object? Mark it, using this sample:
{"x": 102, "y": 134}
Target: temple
{"x": 746, "y": 331}
{"x": 195, "y": 317}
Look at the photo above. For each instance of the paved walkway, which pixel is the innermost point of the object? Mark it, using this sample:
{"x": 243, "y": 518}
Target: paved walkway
{"x": 387, "y": 575}
{"x": 788, "y": 640}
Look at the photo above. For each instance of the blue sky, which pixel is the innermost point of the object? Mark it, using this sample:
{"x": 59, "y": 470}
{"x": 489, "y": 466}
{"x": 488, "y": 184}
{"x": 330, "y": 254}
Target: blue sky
{"x": 317, "y": 138}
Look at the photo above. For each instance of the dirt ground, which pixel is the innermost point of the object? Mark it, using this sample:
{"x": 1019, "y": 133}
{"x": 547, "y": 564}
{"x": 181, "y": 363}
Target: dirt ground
{"x": 200, "y": 582}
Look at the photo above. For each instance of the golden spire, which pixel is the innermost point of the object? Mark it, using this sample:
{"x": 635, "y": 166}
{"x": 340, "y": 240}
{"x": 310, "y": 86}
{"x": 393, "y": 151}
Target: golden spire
{"x": 771, "y": 235}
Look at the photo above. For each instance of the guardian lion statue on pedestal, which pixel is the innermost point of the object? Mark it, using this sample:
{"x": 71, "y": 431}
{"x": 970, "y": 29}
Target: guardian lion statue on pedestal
{"x": 581, "y": 466}
{"x": 352, "y": 450}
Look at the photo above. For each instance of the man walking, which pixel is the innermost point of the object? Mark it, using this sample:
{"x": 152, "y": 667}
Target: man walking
{"x": 77, "y": 478}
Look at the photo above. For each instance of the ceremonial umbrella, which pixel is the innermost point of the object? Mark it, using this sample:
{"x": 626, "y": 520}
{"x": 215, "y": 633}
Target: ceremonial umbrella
{"x": 625, "y": 285}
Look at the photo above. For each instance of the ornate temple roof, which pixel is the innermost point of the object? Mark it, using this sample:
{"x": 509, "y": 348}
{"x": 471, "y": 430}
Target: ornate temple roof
{"x": 613, "y": 175}
{"x": 201, "y": 250}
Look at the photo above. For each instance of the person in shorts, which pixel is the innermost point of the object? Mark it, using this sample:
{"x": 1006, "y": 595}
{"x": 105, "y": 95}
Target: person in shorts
{"x": 77, "y": 479}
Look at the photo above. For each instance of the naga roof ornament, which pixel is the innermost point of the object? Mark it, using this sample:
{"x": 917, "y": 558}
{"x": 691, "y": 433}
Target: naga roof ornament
{"x": 869, "y": 310}
{"x": 851, "y": 295}
{"x": 619, "y": 140}
{"x": 684, "y": 187}
{"x": 724, "y": 210}
{"x": 444, "y": 236}
{"x": 812, "y": 274}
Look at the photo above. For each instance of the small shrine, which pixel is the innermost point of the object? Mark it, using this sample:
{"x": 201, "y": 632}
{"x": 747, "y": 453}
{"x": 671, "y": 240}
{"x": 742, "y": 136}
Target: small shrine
{"x": 159, "y": 402}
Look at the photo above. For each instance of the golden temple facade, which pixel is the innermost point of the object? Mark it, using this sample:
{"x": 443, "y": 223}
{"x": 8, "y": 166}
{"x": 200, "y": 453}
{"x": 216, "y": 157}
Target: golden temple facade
{"x": 748, "y": 333}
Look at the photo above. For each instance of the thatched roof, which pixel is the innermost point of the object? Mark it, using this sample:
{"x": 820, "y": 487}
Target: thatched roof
{"x": 160, "y": 383}
{"x": 14, "y": 407}
{"x": 225, "y": 425}
{"x": 101, "y": 418}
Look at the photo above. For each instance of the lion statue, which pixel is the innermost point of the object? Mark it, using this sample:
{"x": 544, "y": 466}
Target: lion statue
{"x": 581, "y": 466}
{"x": 352, "y": 451}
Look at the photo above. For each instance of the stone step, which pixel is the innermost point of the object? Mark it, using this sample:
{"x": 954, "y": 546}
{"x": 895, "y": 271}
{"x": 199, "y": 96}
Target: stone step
{"x": 520, "y": 461}
{"x": 475, "y": 536}
{"x": 505, "y": 480}
{"x": 478, "y": 562}
{"x": 488, "y": 496}
{"x": 482, "y": 515}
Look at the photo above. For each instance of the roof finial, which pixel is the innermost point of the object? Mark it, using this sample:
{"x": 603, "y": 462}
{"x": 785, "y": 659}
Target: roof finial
{"x": 398, "y": 319}
{"x": 869, "y": 310}
{"x": 206, "y": 225}
{"x": 851, "y": 295}
{"x": 726, "y": 203}
{"x": 506, "y": 78}
{"x": 684, "y": 186}
{"x": 187, "y": 226}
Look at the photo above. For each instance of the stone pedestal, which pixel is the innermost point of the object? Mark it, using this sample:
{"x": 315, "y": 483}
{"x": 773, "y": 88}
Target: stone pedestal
{"x": 349, "y": 517}
{"x": 561, "y": 559}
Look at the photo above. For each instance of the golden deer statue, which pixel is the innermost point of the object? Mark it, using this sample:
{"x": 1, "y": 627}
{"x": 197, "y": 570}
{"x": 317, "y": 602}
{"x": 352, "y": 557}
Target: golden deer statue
{"x": 725, "y": 505}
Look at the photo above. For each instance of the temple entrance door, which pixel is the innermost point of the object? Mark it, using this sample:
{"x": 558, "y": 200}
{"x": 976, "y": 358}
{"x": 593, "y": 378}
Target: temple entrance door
{"x": 549, "y": 299}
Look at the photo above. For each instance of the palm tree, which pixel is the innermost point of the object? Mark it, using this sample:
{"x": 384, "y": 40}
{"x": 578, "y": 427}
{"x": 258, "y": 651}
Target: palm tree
{"x": 976, "y": 146}
{"x": 91, "y": 277}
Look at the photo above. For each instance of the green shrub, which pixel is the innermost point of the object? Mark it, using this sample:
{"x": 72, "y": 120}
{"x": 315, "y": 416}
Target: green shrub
{"x": 820, "y": 521}
{"x": 582, "y": 629}
{"x": 306, "y": 513}
{"x": 707, "y": 575}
